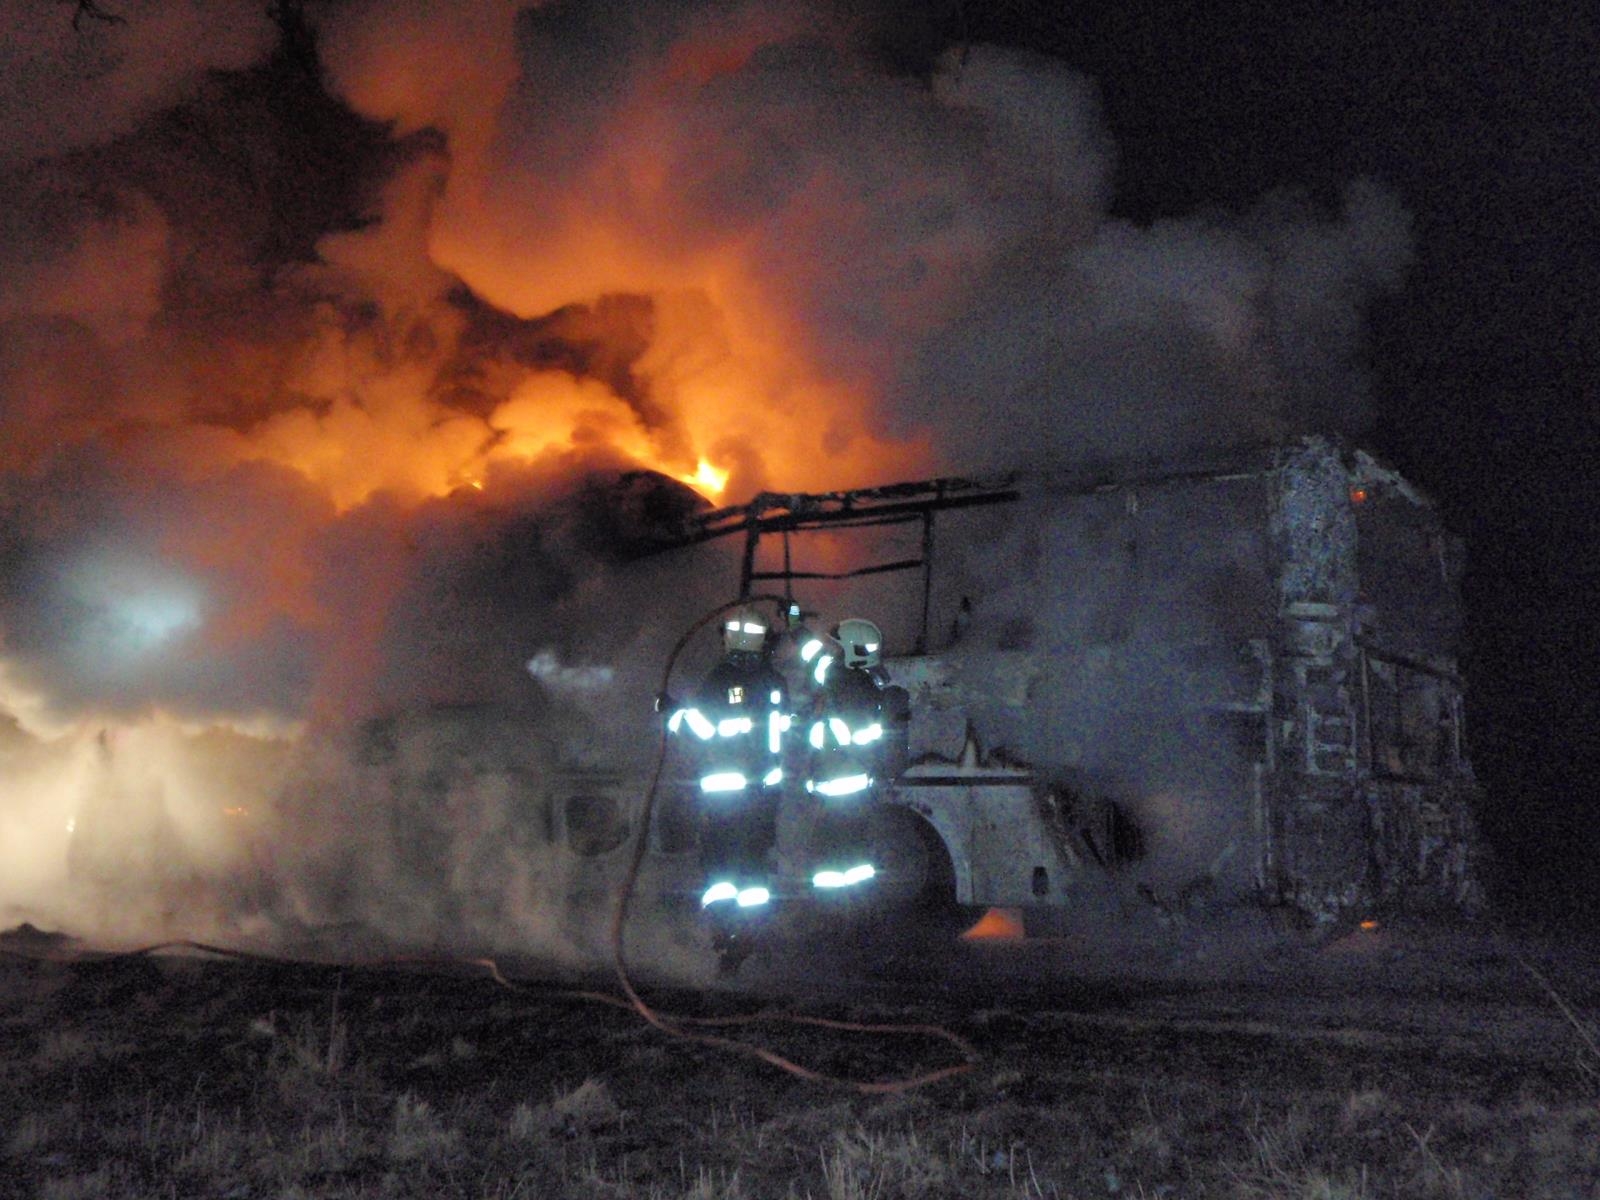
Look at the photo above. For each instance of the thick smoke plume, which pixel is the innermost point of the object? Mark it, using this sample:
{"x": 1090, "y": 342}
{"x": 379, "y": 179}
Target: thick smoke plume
{"x": 327, "y": 340}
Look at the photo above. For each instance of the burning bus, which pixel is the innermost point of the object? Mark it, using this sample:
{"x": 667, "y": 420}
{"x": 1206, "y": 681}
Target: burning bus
{"x": 1226, "y": 682}
{"x": 1230, "y": 680}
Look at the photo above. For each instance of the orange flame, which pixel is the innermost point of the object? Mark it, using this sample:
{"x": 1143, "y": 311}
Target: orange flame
{"x": 410, "y": 447}
{"x": 998, "y": 924}
{"x": 733, "y": 386}
{"x": 708, "y": 480}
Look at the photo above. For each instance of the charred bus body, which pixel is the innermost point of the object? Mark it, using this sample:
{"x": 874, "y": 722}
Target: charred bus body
{"x": 1234, "y": 680}
{"x": 1230, "y": 681}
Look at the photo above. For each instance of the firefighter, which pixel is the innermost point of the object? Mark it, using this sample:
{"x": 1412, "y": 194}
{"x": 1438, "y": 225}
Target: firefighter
{"x": 737, "y": 724}
{"x": 846, "y": 740}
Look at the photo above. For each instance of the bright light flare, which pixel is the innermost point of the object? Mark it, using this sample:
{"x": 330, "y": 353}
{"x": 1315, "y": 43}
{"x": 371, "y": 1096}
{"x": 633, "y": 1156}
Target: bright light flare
{"x": 132, "y": 608}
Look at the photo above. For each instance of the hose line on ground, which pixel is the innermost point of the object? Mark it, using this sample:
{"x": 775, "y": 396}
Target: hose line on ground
{"x": 680, "y": 1026}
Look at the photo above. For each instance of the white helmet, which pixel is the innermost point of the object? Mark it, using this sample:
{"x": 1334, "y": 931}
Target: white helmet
{"x": 862, "y": 642}
{"x": 744, "y": 629}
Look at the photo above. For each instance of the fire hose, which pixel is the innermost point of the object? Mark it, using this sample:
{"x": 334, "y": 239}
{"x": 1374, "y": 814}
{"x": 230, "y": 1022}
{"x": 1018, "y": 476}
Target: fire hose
{"x": 693, "y": 1028}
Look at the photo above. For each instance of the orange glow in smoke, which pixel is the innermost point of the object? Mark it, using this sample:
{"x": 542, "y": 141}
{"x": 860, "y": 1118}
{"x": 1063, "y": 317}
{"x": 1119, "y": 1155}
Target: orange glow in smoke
{"x": 725, "y": 411}
{"x": 410, "y": 448}
{"x": 720, "y": 373}
{"x": 352, "y": 453}
{"x": 733, "y": 365}
{"x": 1369, "y": 925}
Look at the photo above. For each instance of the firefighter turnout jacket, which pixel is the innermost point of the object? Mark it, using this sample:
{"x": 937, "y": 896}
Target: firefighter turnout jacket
{"x": 846, "y": 736}
{"x": 737, "y": 723}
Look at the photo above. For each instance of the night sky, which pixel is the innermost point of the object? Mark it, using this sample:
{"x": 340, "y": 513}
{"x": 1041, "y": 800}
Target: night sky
{"x": 1486, "y": 119}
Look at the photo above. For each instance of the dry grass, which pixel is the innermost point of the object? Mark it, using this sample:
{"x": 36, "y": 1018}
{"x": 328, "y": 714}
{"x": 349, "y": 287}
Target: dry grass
{"x": 1585, "y": 1033}
{"x": 219, "y": 1080}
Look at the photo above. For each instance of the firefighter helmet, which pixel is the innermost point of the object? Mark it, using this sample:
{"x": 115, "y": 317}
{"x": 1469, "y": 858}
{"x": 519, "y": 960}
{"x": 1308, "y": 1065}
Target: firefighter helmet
{"x": 744, "y": 629}
{"x": 862, "y": 642}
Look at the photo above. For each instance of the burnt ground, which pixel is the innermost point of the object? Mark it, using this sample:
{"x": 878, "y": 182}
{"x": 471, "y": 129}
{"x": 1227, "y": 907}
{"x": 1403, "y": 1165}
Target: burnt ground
{"x": 1393, "y": 1062}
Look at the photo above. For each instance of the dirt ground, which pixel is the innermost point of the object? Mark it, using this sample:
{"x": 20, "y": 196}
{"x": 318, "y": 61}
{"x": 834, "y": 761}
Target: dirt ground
{"x": 1403, "y": 1062}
